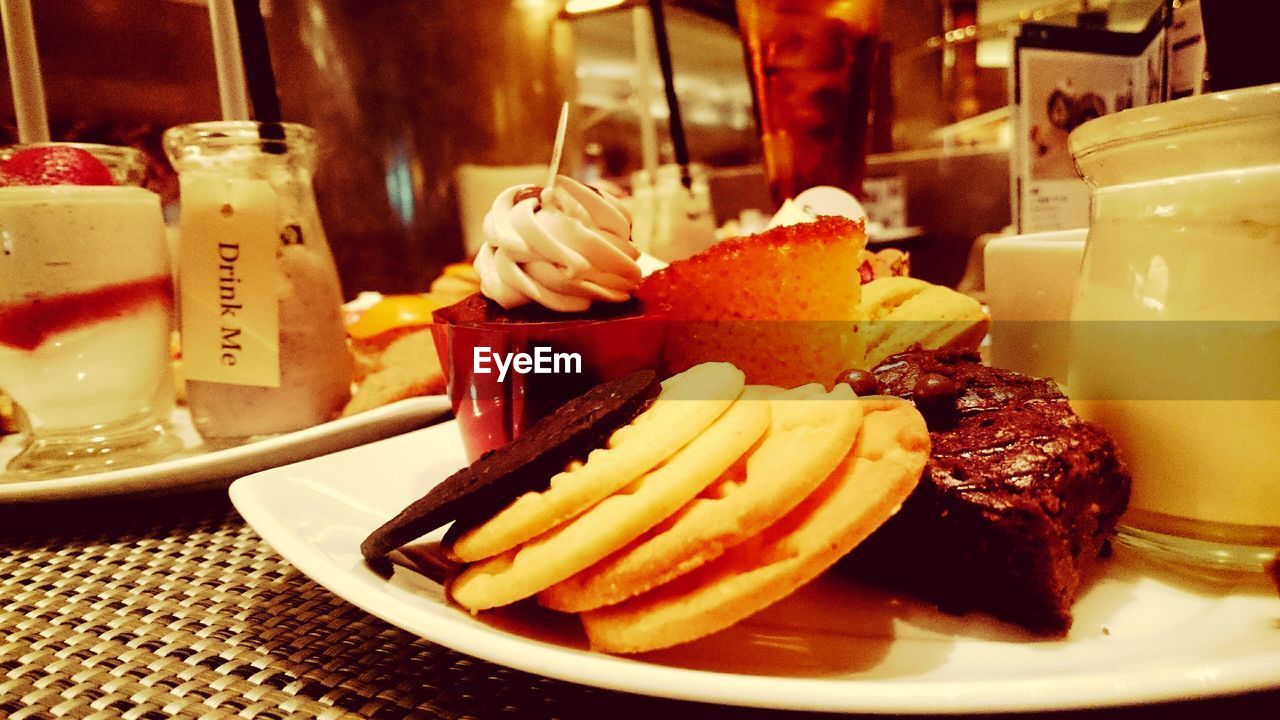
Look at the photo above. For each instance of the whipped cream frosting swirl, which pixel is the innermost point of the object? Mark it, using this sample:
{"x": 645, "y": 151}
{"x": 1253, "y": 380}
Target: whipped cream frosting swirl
{"x": 565, "y": 248}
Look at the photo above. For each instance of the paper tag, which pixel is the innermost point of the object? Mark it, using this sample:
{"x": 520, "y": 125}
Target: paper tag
{"x": 227, "y": 280}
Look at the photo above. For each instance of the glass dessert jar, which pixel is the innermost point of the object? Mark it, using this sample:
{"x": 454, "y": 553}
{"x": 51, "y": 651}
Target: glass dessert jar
{"x": 1175, "y": 344}
{"x": 86, "y": 303}
{"x": 264, "y": 348}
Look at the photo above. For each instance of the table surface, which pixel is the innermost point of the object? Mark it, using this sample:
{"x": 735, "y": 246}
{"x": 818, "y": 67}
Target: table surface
{"x": 174, "y": 607}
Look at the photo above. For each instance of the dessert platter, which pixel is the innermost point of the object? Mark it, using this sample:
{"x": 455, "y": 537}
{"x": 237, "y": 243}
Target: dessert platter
{"x": 1141, "y": 633}
{"x": 759, "y": 476}
{"x": 102, "y": 397}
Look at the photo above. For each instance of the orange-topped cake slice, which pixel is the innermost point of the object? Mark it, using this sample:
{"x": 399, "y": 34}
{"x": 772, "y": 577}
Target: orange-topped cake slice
{"x": 781, "y": 305}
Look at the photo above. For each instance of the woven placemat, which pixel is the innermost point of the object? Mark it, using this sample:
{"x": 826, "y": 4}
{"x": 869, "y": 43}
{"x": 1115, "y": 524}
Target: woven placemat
{"x": 174, "y": 607}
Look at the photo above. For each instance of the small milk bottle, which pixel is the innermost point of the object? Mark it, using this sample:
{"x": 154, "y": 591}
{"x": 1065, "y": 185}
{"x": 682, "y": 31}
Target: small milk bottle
{"x": 263, "y": 343}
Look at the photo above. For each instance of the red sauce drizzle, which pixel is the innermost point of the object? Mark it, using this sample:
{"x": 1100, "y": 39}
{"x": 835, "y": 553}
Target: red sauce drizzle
{"x": 28, "y": 323}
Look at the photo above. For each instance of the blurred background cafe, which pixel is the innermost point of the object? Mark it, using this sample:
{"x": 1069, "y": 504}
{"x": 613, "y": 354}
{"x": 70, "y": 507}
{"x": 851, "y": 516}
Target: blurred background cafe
{"x": 942, "y": 116}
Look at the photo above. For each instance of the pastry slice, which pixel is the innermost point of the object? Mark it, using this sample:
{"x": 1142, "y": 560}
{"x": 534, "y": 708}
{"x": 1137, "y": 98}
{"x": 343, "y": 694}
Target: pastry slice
{"x": 782, "y": 305}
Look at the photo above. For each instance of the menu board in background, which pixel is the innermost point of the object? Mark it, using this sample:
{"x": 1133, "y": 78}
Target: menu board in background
{"x": 1062, "y": 77}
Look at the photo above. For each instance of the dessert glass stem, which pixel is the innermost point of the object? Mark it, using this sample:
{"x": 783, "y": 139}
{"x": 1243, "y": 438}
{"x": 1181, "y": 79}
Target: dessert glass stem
{"x": 135, "y": 441}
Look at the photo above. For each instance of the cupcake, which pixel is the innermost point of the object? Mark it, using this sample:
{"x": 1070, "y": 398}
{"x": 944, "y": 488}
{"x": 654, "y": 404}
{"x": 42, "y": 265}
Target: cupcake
{"x": 555, "y": 315}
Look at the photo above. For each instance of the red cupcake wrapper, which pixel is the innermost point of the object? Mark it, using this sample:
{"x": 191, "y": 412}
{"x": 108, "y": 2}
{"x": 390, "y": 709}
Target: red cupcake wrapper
{"x": 492, "y": 413}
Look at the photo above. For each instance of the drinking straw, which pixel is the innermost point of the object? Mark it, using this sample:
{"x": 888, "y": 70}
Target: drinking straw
{"x": 227, "y": 58}
{"x": 664, "y": 61}
{"x": 642, "y": 33}
{"x": 558, "y": 150}
{"x": 257, "y": 61}
{"x": 24, "y": 71}
{"x": 259, "y": 74}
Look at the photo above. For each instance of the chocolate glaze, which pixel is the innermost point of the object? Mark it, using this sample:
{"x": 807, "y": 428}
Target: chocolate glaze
{"x": 532, "y": 192}
{"x": 863, "y": 382}
{"x": 1018, "y": 496}
{"x": 983, "y": 387}
{"x": 476, "y": 309}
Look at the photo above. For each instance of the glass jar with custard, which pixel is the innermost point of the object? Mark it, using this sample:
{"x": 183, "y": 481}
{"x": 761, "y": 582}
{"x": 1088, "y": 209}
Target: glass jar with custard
{"x": 1175, "y": 343}
{"x": 263, "y": 344}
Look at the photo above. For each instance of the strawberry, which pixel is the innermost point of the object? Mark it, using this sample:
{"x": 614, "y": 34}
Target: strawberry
{"x": 54, "y": 165}
{"x": 866, "y": 273}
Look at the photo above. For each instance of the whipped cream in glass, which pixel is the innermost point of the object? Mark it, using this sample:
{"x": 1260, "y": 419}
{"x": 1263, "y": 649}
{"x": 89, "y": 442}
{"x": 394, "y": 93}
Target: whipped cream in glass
{"x": 562, "y": 247}
{"x": 86, "y": 301}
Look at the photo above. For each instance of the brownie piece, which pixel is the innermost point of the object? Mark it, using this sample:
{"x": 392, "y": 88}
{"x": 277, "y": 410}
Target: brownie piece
{"x": 1019, "y": 494}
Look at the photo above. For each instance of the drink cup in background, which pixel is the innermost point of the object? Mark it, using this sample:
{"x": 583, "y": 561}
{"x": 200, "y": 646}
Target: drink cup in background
{"x": 86, "y": 304}
{"x": 1030, "y": 281}
{"x": 812, "y": 64}
{"x": 478, "y": 185}
{"x": 672, "y": 220}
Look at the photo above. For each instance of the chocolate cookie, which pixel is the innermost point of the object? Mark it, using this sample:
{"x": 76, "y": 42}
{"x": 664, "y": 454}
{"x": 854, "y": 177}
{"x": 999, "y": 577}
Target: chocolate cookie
{"x": 526, "y": 464}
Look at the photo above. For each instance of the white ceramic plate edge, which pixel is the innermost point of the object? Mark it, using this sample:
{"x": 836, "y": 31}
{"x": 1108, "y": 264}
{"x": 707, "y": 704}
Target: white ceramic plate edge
{"x": 222, "y": 466}
{"x": 452, "y": 628}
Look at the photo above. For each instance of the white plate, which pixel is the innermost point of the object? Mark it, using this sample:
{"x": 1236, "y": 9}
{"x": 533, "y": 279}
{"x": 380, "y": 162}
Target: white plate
{"x": 195, "y": 466}
{"x": 1141, "y": 634}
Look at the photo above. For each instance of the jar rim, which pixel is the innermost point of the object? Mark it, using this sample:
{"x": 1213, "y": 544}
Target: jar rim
{"x": 235, "y": 132}
{"x": 1166, "y": 118}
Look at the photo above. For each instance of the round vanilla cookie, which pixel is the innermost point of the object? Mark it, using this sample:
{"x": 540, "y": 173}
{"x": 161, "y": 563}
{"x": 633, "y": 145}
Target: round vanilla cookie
{"x": 688, "y": 403}
{"x": 616, "y": 520}
{"x": 864, "y": 491}
{"x": 758, "y": 490}
{"x": 527, "y": 463}
{"x": 899, "y": 313}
